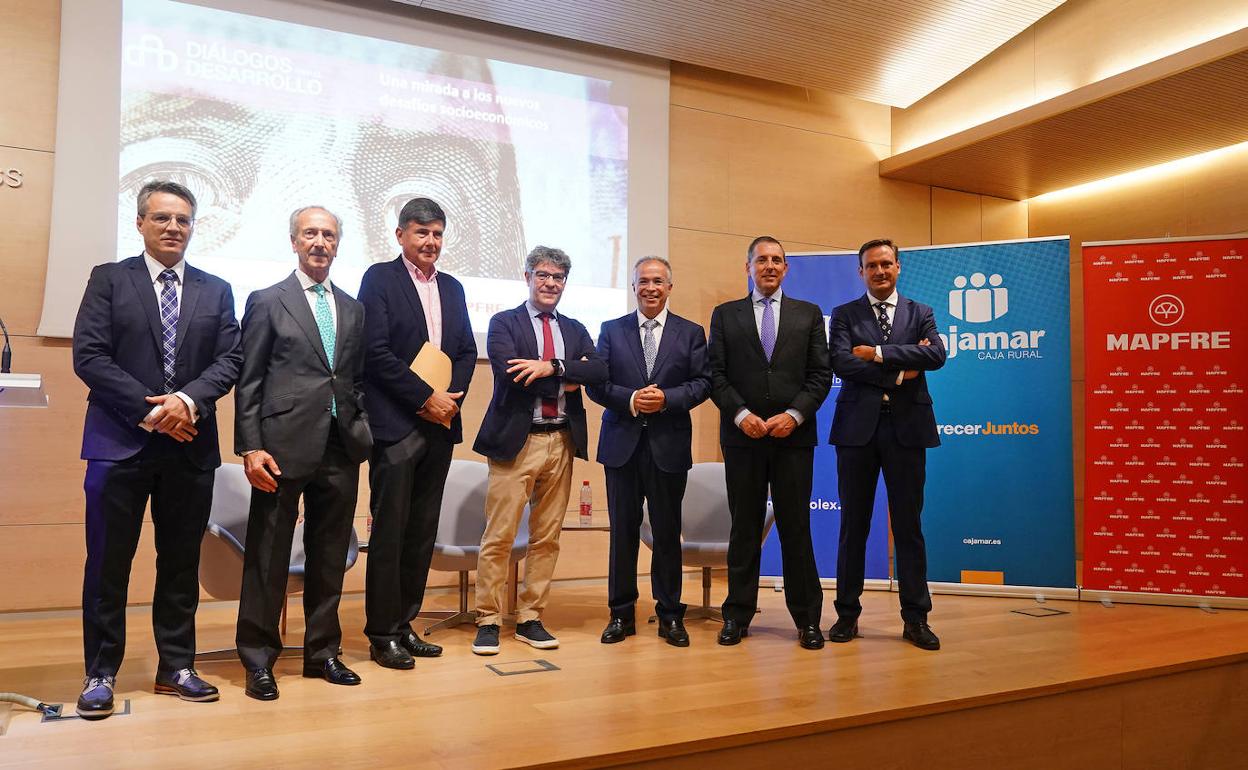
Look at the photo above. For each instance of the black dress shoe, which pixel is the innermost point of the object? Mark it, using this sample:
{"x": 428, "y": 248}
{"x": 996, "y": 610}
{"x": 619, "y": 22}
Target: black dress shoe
{"x": 843, "y": 630}
{"x": 732, "y": 632}
{"x": 921, "y": 636}
{"x": 419, "y": 648}
{"x": 391, "y": 654}
{"x": 810, "y": 637}
{"x": 261, "y": 685}
{"x": 674, "y": 632}
{"x": 185, "y": 684}
{"x": 617, "y": 629}
{"x": 332, "y": 670}
{"x": 96, "y": 700}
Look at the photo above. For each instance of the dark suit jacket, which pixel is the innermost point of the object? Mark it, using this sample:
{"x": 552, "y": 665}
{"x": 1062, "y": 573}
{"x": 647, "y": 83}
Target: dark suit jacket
{"x": 864, "y": 383}
{"x": 394, "y": 323}
{"x": 506, "y": 425}
{"x": 680, "y": 370}
{"x": 284, "y": 391}
{"x": 118, "y": 354}
{"x": 798, "y": 376}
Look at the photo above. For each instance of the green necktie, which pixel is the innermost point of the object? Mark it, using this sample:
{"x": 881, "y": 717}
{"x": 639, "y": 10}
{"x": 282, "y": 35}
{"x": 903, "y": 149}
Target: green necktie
{"x": 325, "y": 325}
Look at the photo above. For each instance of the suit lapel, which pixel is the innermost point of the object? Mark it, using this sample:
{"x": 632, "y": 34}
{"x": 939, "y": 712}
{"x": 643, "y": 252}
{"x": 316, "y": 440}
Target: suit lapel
{"x": 524, "y": 334}
{"x": 413, "y": 298}
{"x": 666, "y": 343}
{"x": 147, "y": 298}
{"x": 901, "y": 315}
{"x": 192, "y": 287}
{"x": 346, "y": 320}
{"x": 632, "y": 331}
{"x": 869, "y": 318}
{"x": 748, "y": 329}
{"x": 297, "y": 305}
{"x": 789, "y": 325}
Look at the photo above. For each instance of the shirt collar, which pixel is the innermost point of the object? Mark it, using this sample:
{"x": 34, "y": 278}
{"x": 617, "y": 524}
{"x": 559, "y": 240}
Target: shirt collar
{"x": 154, "y": 268}
{"x": 891, "y": 301}
{"x": 306, "y": 282}
{"x": 417, "y": 273}
{"x": 757, "y": 296}
{"x": 661, "y": 317}
{"x": 534, "y": 312}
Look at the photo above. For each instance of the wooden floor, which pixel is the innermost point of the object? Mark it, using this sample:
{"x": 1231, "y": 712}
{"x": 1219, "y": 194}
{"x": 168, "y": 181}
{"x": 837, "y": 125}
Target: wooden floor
{"x": 628, "y": 703}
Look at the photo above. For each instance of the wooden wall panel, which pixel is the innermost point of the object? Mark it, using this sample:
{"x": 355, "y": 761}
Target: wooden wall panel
{"x": 1002, "y": 220}
{"x": 30, "y": 36}
{"x": 25, "y": 216}
{"x": 955, "y": 216}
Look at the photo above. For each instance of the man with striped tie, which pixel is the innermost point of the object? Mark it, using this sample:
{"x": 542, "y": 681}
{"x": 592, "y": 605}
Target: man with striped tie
{"x": 157, "y": 344}
{"x": 302, "y": 432}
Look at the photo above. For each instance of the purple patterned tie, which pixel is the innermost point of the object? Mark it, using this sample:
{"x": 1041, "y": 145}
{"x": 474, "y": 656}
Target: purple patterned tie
{"x": 168, "y": 324}
{"x": 767, "y": 334}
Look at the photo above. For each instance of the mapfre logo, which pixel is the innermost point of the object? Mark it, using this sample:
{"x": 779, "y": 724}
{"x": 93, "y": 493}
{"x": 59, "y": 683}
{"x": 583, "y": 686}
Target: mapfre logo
{"x": 979, "y": 304}
{"x": 1166, "y": 310}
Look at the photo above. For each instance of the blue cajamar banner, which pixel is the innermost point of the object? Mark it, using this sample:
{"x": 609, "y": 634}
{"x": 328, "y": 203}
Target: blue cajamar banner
{"x": 999, "y": 501}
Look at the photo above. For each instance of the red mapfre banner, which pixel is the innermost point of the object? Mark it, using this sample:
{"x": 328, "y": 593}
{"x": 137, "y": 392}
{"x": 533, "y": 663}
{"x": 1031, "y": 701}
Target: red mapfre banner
{"x": 1166, "y": 341}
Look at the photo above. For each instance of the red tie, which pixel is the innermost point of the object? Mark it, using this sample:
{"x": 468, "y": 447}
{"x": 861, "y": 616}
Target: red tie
{"x": 550, "y": 406}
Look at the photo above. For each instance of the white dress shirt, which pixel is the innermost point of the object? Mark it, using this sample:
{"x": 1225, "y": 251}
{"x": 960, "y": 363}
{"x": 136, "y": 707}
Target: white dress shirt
{"x": 890, "y": 309}
{"x": 661, "y": 317}
{"x": 307, "y": 283}
{"x": 154, "y": 269}
{"x": 557, "y": 334}
{"x": 757, "y": 297}
{"x": 430, "y": 300}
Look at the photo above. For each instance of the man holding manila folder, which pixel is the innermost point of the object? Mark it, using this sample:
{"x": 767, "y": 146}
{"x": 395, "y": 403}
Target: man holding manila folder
{"x": 421, "y": 356}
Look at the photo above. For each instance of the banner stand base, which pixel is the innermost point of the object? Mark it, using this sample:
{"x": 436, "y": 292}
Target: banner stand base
{"x": 1168, "y": 600}
{"x": 870, "y": 584}
{"x": 1038, "y": 593}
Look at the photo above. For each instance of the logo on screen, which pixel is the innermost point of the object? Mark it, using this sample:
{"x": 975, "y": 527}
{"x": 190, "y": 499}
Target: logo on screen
{"x": 979, "y": 304}
{"x": 1166, "y": 310}
{"x": 151, "y": 51}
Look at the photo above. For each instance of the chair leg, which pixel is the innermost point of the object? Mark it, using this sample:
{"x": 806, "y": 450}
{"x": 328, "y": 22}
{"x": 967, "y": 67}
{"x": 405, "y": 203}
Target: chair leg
{"x": 513, "y": 591}
{"x": 453, "y": 619}
{"x": 285, "y": 606}
{"x": 706, "y": 610}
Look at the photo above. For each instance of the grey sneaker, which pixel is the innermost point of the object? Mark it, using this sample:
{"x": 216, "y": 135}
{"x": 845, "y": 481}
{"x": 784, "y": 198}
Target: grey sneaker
{"x": 486, "y": 642}
{"x": 96, "y": 701}
{"x": 532, "y": 633}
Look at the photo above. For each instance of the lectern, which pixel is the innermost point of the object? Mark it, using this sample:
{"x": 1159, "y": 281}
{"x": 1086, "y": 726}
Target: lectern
{"x": 24, "y": 390}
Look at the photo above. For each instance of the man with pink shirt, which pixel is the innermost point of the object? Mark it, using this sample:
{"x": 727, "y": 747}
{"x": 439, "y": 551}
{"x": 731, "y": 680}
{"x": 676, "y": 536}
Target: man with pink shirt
{"x": 408, "y": 302}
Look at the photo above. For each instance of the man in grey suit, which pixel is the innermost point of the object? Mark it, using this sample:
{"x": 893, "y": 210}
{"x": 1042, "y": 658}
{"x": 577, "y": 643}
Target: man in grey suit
{"x": 301, "y": 429}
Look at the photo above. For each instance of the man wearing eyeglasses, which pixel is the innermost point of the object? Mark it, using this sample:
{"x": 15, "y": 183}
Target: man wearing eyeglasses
{"x": 157, "y": 344}
{"x": 533, "y": 427}
{"x": 657, "y": 373}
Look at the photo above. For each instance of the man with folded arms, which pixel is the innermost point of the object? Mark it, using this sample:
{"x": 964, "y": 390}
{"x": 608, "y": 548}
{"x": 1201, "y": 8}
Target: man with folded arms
{"x": 657, "y": 374}
{"x": 533, "y": 427}
{"x": 301, "y": 429}
{"x": 409, "y": 303}
{"x": 156, "y": 343}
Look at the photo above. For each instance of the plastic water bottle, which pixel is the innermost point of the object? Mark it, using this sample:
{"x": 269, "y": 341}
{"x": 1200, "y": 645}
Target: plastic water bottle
{"x": 587, "y": 505}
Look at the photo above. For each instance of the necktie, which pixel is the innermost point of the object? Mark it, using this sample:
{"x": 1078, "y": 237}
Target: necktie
{"x": 767, "y": 335}
{"x": 168, "y": 324}
{"x": 550, "y": 406}
{"x": 649, "y": 348}
{"x": 329, "y": 337}
{"x": 886, "y": 328}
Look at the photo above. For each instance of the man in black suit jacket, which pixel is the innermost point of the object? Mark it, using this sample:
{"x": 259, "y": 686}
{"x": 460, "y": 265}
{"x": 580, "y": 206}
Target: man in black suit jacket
{"x": 301, "y": 429}
{"x": 156, "y": 343}
{"x": 409, "y": 303}
{"x": 769, "y": 374}
{"x": 657, "y": 374}
{"x": 882, "y": 343}
{"x": 533, "y": 427}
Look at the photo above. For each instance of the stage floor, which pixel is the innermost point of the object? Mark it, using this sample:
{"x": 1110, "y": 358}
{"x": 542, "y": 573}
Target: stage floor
{"x": 595, "y": 704}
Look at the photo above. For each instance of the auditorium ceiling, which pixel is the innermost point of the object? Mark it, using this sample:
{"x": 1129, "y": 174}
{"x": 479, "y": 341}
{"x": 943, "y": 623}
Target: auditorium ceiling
{"x": 888, "y": 51}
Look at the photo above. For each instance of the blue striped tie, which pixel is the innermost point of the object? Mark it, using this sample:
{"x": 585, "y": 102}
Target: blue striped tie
{"x": 169, "y": 324}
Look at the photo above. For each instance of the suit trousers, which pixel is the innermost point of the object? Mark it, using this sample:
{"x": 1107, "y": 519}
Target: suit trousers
{"x": 789, "y": 472}
{"x": 329, "y": 495}
{"x": 116, "y": 496}
{"x": 627, "y": 486}
{"x": 541, "y": 473}
{"x": 858, "y": 469}
{"x": 406, "y": 480}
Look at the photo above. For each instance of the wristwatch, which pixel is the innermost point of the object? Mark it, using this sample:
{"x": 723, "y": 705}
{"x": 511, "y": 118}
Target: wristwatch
{"x": 558, "y": 364}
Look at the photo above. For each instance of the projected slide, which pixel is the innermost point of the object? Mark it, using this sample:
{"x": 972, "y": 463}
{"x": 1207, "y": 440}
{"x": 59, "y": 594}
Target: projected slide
{"x": 258, "y": 117}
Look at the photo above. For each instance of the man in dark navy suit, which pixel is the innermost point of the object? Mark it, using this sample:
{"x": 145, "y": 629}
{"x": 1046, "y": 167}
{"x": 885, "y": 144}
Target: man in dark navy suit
{"x": 533, "y": 427}
{"x": 769, "y": 374}
{"x": 409, "y": 302}
{"x": 882, "y": 343}
{"x": 301, "y": 429}
{"x": 657, "y": 374}
{"x": 157, "y": 344}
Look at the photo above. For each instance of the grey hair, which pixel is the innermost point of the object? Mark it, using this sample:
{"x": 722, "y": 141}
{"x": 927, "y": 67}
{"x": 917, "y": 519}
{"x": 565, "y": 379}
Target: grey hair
{"x": 294, "y": 219}
{"x": 556, "y": 257}
{"x": 652, "y": 258}
{"x": 165, "y": 186}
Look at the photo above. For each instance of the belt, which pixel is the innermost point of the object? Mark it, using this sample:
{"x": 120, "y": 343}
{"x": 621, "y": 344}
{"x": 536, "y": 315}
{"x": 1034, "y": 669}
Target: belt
{"x": 547, "y": 427}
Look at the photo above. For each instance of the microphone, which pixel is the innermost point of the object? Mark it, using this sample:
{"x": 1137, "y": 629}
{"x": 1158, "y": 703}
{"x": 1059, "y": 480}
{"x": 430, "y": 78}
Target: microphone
{"x": 6, "y": 358}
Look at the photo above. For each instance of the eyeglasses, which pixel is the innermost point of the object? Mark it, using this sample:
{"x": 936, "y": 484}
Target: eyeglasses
{"x": 163, "y": 220}
{"x": 542, "y": 277}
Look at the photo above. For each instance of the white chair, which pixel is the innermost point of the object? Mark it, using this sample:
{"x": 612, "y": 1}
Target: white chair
{"x": 705, "y": 525}
{"x": 461, "y": 524}
{"x": 221, "y": 553}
